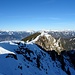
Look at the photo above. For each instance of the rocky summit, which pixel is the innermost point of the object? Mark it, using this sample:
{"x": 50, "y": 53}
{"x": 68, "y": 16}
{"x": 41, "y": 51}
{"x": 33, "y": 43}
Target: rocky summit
{"x": 49, "y": 42}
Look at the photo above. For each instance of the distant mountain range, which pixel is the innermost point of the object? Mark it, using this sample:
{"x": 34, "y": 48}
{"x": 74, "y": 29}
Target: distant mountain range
{"x": 57, "y": 40}
{"x": 18, "y": 35}
{"x": 14, "y": 35}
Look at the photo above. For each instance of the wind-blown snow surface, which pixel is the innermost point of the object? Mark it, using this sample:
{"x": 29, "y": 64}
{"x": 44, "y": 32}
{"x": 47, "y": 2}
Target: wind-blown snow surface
{"x": 28, "y": 59}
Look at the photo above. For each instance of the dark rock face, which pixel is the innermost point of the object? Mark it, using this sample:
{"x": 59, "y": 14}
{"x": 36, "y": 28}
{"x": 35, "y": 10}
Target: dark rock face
{"x": 68, "y": 56}
{"x": 31, "y": 37}
{"x": 12, "y": 56}
{"x": 66, "y": 59}
{"x": 71, "y": 54}
{"x": 61, "y": 51}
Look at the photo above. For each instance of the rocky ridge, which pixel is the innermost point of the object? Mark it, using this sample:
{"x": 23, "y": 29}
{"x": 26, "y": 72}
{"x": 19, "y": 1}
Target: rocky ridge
{"x": 19, "y": 58}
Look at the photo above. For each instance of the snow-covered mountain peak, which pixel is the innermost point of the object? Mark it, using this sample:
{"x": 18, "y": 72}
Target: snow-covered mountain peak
{"x": 42, "y": 34}
{"x": 7, "y": 47}
{"x": 45, "y": 34}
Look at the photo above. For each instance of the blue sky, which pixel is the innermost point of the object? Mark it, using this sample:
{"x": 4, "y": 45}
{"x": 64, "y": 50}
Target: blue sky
{"x": 37, "y": 15}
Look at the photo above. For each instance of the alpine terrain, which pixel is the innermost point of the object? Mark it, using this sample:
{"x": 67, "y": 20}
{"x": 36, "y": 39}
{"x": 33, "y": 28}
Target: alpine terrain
{"x": 38, "y": 54}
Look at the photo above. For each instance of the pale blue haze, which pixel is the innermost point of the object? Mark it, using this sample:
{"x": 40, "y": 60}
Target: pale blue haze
{"x": 37, "y": 14}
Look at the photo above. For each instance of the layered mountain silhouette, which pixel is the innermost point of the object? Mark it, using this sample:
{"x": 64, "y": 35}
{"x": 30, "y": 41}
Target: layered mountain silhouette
{"x": 38, "y": 54}
{"x": 14, "y": 35}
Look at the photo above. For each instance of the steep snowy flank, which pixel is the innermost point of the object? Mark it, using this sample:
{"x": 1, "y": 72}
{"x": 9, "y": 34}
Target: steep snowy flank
{"x": 4, "y": 51}
{"x": 17, "y": 58}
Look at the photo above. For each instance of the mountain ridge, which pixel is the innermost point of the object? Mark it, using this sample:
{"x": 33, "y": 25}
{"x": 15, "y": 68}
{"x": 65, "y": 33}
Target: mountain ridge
{"x": 29, "y": 59}
{"x": 14, "y": 35}
{"x": 48, "y": 42}
{"x": 18, "y": 35}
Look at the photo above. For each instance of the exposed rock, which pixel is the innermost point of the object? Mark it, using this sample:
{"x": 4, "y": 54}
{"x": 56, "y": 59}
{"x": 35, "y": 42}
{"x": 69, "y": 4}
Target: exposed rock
{"x": 49, "y": 43}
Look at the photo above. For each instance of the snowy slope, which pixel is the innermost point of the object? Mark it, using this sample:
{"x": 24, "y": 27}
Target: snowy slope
{"x": 18, "y": 58}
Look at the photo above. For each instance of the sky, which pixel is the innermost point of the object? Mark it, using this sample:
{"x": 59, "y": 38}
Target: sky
{"x": 36, "y": 15}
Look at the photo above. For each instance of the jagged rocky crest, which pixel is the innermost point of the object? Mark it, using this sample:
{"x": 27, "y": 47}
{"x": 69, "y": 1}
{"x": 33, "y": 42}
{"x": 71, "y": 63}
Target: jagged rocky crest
{"x": 48, "y": 42}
